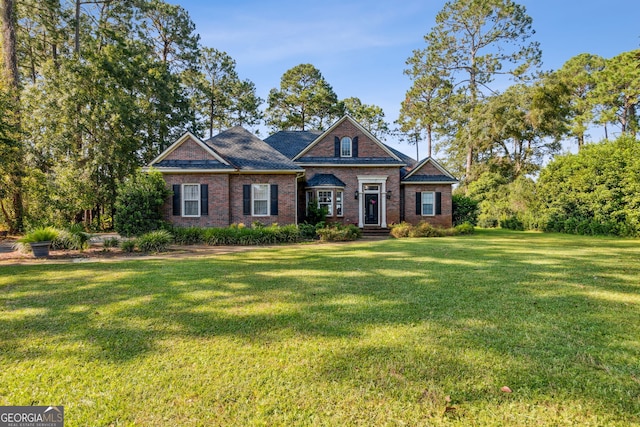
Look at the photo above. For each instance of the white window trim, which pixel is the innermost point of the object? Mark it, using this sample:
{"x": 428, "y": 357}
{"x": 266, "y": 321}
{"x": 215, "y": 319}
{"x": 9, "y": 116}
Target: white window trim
{"x": 433, "y": 203}
{"x": 350, "y": 147}
{"x": 330, "y": 203}
{"x": 183, "y": 201}
{"x": 253, "y": 200}
{"x": 341, "y": 203}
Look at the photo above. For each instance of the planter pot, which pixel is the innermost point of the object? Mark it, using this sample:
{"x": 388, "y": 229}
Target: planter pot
{"x": 40, "y": 249}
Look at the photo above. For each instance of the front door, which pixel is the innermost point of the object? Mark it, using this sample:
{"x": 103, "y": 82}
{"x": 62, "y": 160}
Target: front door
{"x": 371, "y": 209}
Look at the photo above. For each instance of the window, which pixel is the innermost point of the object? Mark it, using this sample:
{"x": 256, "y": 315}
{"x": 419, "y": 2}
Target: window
{"x": 260, "y": 193}
{"x": 339, "y": 203}
{"x": 428, "y": 202}
{"x": 191, "y": 200}
{"x": 345, "y": 147}
{"x": 325, "y": 200}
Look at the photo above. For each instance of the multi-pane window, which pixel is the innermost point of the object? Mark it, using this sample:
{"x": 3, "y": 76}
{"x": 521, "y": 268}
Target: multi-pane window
{"x": 325, "y": 200}
{"x": 191, "y": 200}
{"x": 339, "y": 203}
{"x": 345, "y": 147}
{"x": 260, "y": 199}
{"x": 428, "y": 202}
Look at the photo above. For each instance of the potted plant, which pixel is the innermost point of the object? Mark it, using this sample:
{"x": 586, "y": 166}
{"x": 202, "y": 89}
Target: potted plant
{"x": 40, "y": 240}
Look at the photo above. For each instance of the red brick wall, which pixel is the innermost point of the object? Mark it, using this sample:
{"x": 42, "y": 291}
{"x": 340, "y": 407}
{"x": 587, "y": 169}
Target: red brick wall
{"x": 428, "y": 169}
{"x": 225, "y": 199}
{"x": 444, "y": 220}
{"x": 218, "y": 200}
{"x": 287, "y": 189}
{"x": 366, "y": 147}
{"x": 350, "y": 177}
{"x": 189, "y": 150}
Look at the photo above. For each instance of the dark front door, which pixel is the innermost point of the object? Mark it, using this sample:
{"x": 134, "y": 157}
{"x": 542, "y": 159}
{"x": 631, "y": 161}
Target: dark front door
{"x": 371, "y": 209}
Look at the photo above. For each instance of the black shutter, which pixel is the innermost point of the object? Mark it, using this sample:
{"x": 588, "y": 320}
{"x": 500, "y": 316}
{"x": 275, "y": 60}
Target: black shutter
{"x": 336, "y": 146}
{"x": 418, "y": 203}
{"x": 274, "y": 199}
{"x": 204, "y": 199}
{"x": 176, "y": 200}
{"x": 246, "y": 199}
{"x": 438, "y": 203}
{"x": 354, "y": 147}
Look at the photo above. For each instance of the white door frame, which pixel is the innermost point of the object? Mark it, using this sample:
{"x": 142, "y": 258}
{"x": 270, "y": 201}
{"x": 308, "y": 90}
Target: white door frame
{"x": 381, "y": 181}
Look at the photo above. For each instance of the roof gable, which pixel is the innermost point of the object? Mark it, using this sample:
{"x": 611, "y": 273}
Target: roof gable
{"x": 429, "y": 170}
{"x": 346, "y": 126}
{"x": 189, "y": 148}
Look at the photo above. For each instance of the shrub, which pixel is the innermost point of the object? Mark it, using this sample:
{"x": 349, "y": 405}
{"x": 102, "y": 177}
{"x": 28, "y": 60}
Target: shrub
{"x": 139, "y": 204}
{"x": 316, "y": 214}
{"x": 487, "y": 221}
{"x": 512, "y": 223}
{"x": 464, "y": 228}
{"x": 154, "y": 241}
{"x": 188, "y": 235}
{"x": 111, "y": 242}
{"x": 401, "y": 230}
{"x": 465, "y": 209}
{"x": 128, "y": 246}
{"x": 339, "y": 233}
{"x": 424, "y": 229}
{"x": 307, "y": 231}
{"x": 72, "y": 238}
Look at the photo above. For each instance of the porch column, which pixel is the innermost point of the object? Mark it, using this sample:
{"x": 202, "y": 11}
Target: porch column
{"x": 383, "y": 204}
{"x": 360, "y": 210}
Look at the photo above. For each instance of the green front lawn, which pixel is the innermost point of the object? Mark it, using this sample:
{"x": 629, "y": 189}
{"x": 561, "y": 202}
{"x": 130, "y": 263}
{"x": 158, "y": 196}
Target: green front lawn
{"x": 394, "y": 332}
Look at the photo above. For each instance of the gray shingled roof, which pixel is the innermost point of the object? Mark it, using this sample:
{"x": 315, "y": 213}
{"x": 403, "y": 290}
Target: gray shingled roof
{"x": 430, "y": 178}
{"x": 247, "y": 152}
{"x": 327, "y": 179}
{"x": 192, "y": 164}
{"x": 291, "y": 142}
{"x": 350, "y": 160}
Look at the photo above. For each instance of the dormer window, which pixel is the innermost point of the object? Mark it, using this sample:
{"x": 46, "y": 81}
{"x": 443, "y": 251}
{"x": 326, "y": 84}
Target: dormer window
{"x": 345, "y": 147}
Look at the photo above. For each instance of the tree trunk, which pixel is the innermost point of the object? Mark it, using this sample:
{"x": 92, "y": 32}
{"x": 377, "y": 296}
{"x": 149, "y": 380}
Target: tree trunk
{"x": 429, "y": 132}
{"x": 10, "y": 71}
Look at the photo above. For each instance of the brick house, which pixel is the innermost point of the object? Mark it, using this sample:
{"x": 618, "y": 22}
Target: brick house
{"x": 235, "y": 177}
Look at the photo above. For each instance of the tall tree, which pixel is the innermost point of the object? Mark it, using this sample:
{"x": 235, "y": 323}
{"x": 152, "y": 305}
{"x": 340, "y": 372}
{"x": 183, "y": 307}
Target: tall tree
{"x": 368, "y": 115}
{"x": 304, "y": 101}
{"x": 11, "y": 83}
{"x": 574, "y": 84}
{"x": 519, "y": 128}
{"x": 472, "y": 43}
{"x": 426, "y": 105}
{"x": 617, "y": 92}
{"x": 218, "y": 95}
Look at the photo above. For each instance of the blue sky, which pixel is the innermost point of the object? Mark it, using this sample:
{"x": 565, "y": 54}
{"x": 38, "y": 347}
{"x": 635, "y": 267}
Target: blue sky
{"x": 361, "y": 46}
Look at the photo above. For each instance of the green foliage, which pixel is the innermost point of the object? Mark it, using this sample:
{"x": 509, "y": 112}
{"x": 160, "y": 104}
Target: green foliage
{"x": 471, "y": 43}
{"x": 128, "y": 246}
{"x": 139, "y": 204}
{"x": 188, "y": 235}
{"x": 512, "y": 223}
{"x": 424, "y": 229}
{"x": 316, "y": 214}
{"x": 465, "y": 209}
{"x": 72, "y": 238}
{"x": 499, "y": 199}
{"x": 111, "y": 242}
{"x": 42, "y": 234}
{"x": 304, "y": 101}
{"x": 339, "y": 233}
{"x": 371, "y": 117}
{"x": 596, "y": 191}
{"x": 154, "y": 241}
{"x": 464, "y": 228}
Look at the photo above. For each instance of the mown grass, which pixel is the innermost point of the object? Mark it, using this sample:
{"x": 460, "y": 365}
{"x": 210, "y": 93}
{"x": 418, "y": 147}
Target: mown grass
{"x": 396, "y": 332}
